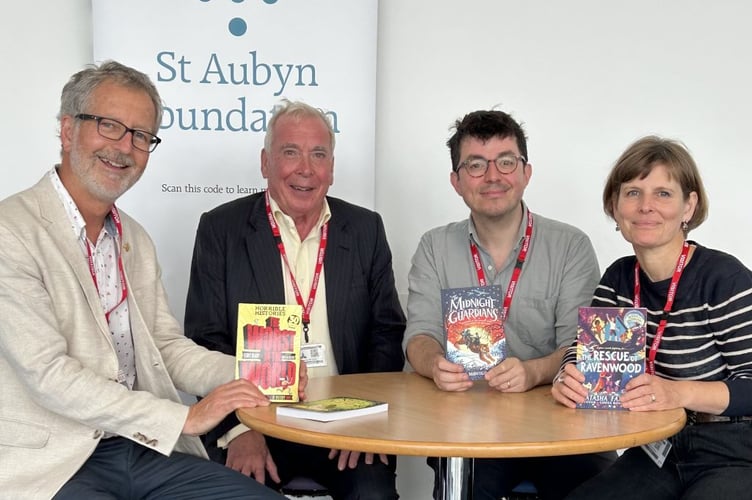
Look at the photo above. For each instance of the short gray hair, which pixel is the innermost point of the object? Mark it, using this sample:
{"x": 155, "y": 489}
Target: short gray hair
{"x": 77, "y": 92}
{"x": 296, "y": 109}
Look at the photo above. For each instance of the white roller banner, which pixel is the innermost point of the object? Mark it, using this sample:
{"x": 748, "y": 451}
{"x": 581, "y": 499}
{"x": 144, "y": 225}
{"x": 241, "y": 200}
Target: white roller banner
{"x": 221, "y": 66}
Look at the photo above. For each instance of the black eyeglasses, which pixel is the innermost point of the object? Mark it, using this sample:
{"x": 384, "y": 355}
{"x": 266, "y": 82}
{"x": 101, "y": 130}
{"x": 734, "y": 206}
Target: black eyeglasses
{"x": 505, "y": 164}
{"x": 115, "y": 130}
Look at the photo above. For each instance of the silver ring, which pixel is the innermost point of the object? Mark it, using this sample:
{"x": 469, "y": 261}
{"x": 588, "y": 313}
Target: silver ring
{"x": 652, "y": 398}
{"x": 560, "y": 379}
{"x": 509, "y": 384}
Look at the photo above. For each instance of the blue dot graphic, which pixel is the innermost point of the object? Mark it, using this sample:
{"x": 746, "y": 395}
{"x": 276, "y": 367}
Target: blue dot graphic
{"x": 238, "y": 26}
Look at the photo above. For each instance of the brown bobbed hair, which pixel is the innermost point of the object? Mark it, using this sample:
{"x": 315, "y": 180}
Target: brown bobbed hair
{"x": 639, "y": 159}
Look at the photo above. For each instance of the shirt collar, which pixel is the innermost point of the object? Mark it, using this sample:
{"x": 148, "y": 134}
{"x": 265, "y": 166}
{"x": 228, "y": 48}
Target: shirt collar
{"x": 284, "y": 220}
{"x": 78, "y": 224}
{"x": 520, "y": 233}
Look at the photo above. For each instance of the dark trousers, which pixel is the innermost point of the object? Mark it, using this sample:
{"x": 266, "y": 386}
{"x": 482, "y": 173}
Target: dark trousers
{"x": 553, "y": 477}
{"x": 122, "y": 469}
{"x": 366, "y": 482}
{"x": 706, "y": 462}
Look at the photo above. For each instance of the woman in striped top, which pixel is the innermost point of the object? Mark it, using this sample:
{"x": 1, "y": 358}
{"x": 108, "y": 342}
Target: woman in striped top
{"x": 699, "y": 336}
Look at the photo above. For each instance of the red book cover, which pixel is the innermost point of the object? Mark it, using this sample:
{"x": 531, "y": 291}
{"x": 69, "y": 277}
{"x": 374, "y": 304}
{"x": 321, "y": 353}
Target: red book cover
{"x": 472, "y": 324}
{"x": 268, "y": 348}
{"x": 610, "y": 352}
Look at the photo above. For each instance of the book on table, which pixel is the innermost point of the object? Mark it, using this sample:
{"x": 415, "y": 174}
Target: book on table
{"x": 610, "y": 352}
{"x": 268, "y": 348}
{"x": 330, "y": 409}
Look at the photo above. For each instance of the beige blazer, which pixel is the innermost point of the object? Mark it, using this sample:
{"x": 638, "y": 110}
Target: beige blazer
{"x": 58, "y": 367}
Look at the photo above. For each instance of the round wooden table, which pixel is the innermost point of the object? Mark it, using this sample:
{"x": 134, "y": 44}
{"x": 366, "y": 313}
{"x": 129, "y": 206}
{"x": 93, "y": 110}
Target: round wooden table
{"x": 479, "y": 423}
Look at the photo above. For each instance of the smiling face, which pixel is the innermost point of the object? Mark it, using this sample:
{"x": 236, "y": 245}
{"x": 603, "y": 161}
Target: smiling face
{"x": 95, "y": 170}
{"x": 299, "y": 168}
{"x": 650, "y": 211}
{"x": 494, "y": 195}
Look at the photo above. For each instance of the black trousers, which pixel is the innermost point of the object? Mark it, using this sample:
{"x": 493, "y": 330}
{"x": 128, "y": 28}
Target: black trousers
{"x": 122, "y": 469}
{"x": 375, "y": 481}
{"x": 553, "y": 477}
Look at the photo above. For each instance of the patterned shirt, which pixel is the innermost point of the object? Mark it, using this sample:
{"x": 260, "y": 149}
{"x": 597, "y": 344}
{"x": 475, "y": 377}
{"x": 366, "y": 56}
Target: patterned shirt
{"x": 104, "y": 254}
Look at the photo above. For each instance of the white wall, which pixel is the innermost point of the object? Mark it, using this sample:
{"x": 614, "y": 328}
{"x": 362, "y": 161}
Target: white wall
{"x": 586, "y": 77}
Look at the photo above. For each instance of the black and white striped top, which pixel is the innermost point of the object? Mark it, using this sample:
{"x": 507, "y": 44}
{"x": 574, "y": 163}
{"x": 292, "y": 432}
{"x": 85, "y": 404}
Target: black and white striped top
{"x": 708, "y": 336}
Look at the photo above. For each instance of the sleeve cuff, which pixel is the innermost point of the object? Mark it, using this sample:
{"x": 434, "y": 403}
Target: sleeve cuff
{"x": 236, "y": 431}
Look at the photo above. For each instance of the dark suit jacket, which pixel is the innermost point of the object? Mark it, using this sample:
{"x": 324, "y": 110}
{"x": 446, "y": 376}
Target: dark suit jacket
{"x": 235, "y": 259}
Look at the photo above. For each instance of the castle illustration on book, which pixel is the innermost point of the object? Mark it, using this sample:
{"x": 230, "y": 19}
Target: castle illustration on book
{"x": 268, "y": 348}
{"x": 610, "y": 352}
{"x": 473, "y": 328}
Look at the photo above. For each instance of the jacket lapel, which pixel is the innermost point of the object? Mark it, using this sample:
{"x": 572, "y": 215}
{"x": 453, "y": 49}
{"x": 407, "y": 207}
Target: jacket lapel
{"x": 52, "y": 212}
{"x": 263, "y": 255}
{"x": 338, "y": 268}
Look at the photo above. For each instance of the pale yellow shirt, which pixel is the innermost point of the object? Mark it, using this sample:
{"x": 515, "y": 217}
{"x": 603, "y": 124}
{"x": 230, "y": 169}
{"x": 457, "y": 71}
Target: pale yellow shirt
{"x": 301, "y": 256}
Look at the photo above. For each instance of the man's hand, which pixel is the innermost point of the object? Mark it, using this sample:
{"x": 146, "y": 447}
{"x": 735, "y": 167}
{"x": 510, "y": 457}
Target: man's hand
{"x": 349, "y": 459}
{"x": 249, "y": 455}
{"x": 223, "y": 400}
{"x": 426, "y": 355}
{"x": 449, "y": 376}
{"x": 511, "y": 375}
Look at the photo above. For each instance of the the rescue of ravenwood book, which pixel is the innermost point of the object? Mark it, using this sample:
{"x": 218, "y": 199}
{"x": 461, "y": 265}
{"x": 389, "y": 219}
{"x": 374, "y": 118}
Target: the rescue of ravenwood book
{"x": 268, "y": 348}
{"x": 610, "y": 352}
{"x": 473, "y": 327}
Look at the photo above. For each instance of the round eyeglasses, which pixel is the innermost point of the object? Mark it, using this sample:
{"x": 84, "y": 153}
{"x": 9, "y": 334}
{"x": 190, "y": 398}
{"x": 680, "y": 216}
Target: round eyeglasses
{"x": 115, "y": 130}
{"x": 505, "y": 164}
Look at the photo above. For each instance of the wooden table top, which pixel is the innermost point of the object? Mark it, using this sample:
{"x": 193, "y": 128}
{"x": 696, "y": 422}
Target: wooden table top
{"x": 425, "y": 421}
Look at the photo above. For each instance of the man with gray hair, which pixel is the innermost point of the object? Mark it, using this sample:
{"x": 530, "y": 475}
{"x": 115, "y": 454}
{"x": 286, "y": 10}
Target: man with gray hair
{"x": 90, "y": 357}
{"x": 263, "y": 249}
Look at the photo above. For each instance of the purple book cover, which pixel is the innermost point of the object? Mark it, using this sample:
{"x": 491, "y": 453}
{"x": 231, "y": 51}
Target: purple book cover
{"x": 610, "y": 352}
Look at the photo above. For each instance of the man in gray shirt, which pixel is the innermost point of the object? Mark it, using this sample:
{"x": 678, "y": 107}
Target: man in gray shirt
{"x": 550, "y": 267}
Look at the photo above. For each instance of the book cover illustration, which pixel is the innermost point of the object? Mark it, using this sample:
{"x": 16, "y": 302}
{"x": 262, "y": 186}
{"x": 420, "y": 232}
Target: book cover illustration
{"x": 610, "y": 352}
{"x": 336, "y": 408}
{"x": 473, "y": 328}
{"x": 268, "y": 348}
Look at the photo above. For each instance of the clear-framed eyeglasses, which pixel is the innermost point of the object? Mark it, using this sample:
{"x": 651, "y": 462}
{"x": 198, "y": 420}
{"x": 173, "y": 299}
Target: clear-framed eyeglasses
{"x": 115, "y": 130}
{"x": 505, "y": 164}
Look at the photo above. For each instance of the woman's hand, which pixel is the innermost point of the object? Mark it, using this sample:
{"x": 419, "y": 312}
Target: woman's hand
{"x": 567, "y": 388}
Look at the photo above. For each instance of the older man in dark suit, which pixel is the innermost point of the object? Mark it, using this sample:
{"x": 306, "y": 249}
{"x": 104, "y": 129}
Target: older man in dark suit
{"x": 264, "y": 249}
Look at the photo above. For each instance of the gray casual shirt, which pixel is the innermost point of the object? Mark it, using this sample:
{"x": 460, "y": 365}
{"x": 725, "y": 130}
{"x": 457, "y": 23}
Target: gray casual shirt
{"x": 559, "y": 275}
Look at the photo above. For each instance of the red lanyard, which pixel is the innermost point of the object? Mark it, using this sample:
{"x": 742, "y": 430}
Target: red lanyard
{"x": 308, "y": 307}
{"x": 92, "y": 270}
{"x": 515, "y": 273}
{"x": 680, "y": 263}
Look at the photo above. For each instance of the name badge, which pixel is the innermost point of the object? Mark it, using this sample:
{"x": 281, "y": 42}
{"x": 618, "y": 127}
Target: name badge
{"x": 313, "y": 355}
{"x": 657, "y": 451}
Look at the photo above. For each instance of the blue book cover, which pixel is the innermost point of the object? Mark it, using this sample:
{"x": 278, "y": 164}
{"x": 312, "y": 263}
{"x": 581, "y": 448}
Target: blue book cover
{"x": 472, "y": 325}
